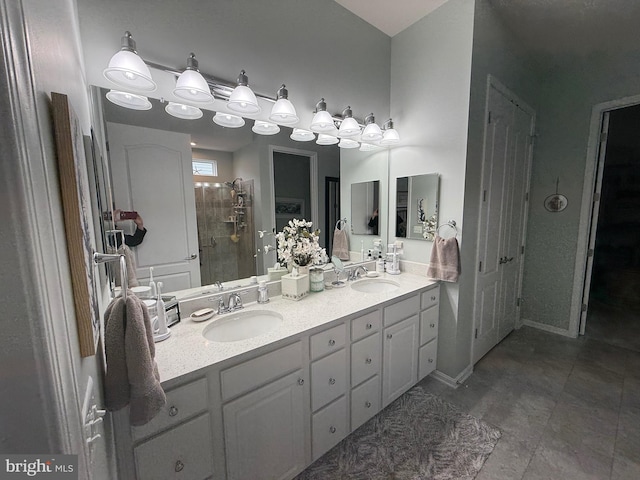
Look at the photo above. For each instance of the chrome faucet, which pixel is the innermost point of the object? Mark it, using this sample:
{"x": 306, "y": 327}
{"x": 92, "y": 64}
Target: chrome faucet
{"x": 235, "y": 302}
{"x": 219, "y": 285}
{"x": 221, "y": 306}
{"x": 357, "y": 272}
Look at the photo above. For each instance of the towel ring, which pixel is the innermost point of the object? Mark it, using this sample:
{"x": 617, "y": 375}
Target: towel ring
{"x": 341, "y": 223}
{"x": 450, "y": 224}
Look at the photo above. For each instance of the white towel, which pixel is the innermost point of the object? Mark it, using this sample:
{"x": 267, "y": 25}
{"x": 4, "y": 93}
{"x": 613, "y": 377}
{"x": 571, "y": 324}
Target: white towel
{"x": 340, "y": 244}
{"x": 445, "y": 260}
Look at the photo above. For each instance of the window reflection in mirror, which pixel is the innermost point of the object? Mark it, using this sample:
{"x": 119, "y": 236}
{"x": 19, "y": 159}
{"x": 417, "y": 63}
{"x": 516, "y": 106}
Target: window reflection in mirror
{"x": 417, "y": 206}
{"x": 365, "y": 204}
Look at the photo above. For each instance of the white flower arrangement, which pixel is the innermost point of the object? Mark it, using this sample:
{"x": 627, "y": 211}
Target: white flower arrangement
{"x": 298, "y": 245}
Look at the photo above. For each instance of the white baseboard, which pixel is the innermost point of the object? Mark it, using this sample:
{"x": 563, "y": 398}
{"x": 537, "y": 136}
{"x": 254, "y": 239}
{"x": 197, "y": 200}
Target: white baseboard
{"x": 549, "y": 328}
{"x": 450, "y": 381}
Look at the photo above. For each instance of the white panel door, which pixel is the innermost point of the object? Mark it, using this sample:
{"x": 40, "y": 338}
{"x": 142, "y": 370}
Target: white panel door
{"x": 152, "y": 174}
{"x": 489, "y": 274}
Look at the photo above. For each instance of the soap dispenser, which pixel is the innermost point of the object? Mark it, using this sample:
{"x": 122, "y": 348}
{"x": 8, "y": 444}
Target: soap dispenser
{"x": 152, "y": 285}
{"x": 163, "y": 331}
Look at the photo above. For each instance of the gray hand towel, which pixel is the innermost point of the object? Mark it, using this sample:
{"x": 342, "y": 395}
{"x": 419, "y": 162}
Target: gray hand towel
{"x": 130, "y": 260}
{"x": 445, "y": 260}
{"x": 132, "y": 374}
{"x": 340, "y": 244}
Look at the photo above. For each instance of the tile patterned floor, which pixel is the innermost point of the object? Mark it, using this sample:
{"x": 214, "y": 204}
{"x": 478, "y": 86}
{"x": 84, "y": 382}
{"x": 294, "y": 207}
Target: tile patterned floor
{"x": 568, "y": 408}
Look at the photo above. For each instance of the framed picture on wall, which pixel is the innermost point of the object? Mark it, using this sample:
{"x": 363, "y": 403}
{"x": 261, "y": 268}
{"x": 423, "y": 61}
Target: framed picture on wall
{"x": 76, "y": 206}
{"x": 290, "y": 207}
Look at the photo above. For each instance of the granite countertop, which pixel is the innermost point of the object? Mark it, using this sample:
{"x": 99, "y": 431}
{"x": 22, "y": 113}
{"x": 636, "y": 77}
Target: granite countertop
{"x": 187, "y": 350}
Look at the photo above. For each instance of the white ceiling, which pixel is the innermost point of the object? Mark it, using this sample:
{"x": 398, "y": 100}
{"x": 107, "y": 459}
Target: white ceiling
{"x": 391, "y": 17}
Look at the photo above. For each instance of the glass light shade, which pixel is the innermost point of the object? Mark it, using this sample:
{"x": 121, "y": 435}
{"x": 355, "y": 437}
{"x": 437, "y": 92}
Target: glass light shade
{"x": 349, "y": 128}
{"x": 322, "y": 122}
{"x": 324, "y": 139}
{"x": 371, "y": 133}
{"x": 348, "y": 143}
{"x": 368, "y": 147}
{"x": 228, "y": 120}
{"x": 129, "y": 100}
{"x": 265, "y": 128}
{"x": 243, "y": 100}
{"x": 180, "y": 110}
{"x": 283, "y": 112}
{"x": 127, "y": 69}
{"x": 390, "y": 137}
{"x": 192, "y": 86}
{"x": 301, "y": 135}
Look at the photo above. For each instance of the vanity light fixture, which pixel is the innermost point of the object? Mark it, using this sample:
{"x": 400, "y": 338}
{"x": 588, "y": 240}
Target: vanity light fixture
{"x": 228, "y": 120}
{"x": 368, "y": 147}
{"x": 283, "y": 110}
{"x": 322, "y": 121}
{"x": 302, "y": 135}
{"x": 390, "y": 135}
{"x": 348, "y": 143}
{"x": 242, "y": 99}
{"x": 324, "y": 139}
{"x": 191, "y": 85}
{"x": 349, "y": 126}
{"x": 129, "y": 100}
{"x": 185, "y": 112}
{"x": 126, "y": 69}
{"x": 371, "y": 132}
{"x": 265, "y": 128}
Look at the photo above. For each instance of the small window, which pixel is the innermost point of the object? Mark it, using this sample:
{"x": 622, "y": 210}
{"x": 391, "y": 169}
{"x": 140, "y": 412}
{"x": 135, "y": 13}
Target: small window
{"x": 208, "y": 168}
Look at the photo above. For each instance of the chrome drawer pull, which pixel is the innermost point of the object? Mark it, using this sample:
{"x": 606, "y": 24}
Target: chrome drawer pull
{"x": 367, "y": 404}
{"x": 332, "y": 429}
{"x": 332, "y": 381}
{"x": 368, "y": 326}
{"x": 432, "y": 325}
{"x": 389, "y": 335}
{"x": 173, "y": 411}
{"x": 433, "y": 298}
{"x": 368, "y": 361}
{"x": 301, "y": 381}
{"x": 332, "y": 342}
{"x": 431, "y": 360}
{"x": 179, "y": 466}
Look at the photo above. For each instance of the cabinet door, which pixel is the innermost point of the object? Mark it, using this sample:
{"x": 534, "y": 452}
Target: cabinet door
{"x": 365, "y": 402}
{"x": 365, "y": 359}
{"x": 265, "y": 431}
{"x": 400, "y": 371}
{"x": 183, "y": 452}
{"x": 330, "y": 425}
{"x": 427, "y": 358}
{"x": 428, "y": 324}
{"x": 328, "y": 379}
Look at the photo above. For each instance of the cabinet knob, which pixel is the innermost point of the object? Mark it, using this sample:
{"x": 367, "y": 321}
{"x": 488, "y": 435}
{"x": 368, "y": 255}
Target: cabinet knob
{"x": 179, "y": 466}
{"x": 332, "y": 342}
{"x": 433, "y": 298}
{"x": 368, "y": 326}
{"x": 389, "y": 335}
{"x": 332, "y": 429}
{"x": 431, "y": 360}
{"x": 332, "y": 381}
{"x": 432, "y": 325}
{"x": 173, "y": 411}
{"x": 368, "y": 361}
{"x": 301, "y": 381}
{"x": 367, "y": 404}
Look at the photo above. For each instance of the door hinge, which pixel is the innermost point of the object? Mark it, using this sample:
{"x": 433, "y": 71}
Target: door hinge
{"x": 484, "y": 196}
{"x": 584, "y": 307}
{"x": 603, "y": 136}
{"x": 596, "y": 197}
{"x": 526, "y": 196}
{"x": 489, "y": 118}
{"x": 522, "y": 250}
{"x": 476, "y": 333}
{"x": 590, "y": 252}
{"x": 518, "y": 302}
{"x": 480, "y": 267}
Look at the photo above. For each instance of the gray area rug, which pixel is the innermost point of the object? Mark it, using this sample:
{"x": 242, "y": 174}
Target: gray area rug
{"x": 418, "y": 437}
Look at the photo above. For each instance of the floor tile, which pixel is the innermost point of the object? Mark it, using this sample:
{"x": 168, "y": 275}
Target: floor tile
{"x": 625, "y": 469}
{"x": 509, "y": 459}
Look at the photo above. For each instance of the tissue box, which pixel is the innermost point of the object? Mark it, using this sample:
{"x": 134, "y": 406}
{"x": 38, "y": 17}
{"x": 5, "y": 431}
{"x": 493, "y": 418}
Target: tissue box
{"x": 295, "y": 288}
{"x": 276, "y": 273}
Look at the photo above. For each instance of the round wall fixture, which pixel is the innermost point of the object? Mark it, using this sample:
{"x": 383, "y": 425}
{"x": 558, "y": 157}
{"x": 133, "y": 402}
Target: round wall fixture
{"x": 556, "y": 202}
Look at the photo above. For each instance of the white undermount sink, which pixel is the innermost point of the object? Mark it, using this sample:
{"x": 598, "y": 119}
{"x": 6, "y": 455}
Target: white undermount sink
{"x": 375, "y": 285}
{"x": 242, "y": 325}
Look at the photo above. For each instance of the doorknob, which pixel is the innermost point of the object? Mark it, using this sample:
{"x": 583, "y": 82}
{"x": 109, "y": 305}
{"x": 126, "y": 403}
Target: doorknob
{"x": 502, "y": 260}
{"x": 193, "y": 256}
{"x": 507, "y": 260}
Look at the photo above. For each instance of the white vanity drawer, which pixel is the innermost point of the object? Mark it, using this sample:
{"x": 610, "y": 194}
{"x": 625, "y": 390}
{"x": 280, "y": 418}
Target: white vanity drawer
{"x": 365, "y": 325}
{"x": 430, "y": 297}
{"x": 328, "y": 379}
{"x": 261, "y": 370}
{"x": 365, "y": 402}
{"x": 182, "y": 402}
{"x": 366, "y": 356}
{"x": 181, "y": 453}
{"x": 329, "y": 426}
{"x": 428, "y": 324}
{"x": 328, "y": 341}
{"x": 427, "y": 358}
{"x": 401, "y": 310}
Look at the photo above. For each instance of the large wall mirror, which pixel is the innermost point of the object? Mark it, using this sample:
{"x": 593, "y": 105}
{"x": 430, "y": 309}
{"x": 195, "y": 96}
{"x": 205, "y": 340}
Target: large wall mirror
{"x": 417, "y": 206}
{"x": 210, "y": 197}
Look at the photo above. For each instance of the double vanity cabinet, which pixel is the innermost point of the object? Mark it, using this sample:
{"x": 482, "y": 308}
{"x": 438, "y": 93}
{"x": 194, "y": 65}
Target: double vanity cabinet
{"x": 272, "y": 410}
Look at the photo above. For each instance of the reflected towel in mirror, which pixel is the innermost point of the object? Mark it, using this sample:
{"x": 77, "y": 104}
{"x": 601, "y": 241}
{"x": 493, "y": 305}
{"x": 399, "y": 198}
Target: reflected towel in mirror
{"x": 340, "y": 244}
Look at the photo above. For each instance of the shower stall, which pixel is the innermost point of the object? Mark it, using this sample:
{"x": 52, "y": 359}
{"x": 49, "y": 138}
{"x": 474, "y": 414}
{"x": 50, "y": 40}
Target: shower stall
{"x": 226, "y": 239}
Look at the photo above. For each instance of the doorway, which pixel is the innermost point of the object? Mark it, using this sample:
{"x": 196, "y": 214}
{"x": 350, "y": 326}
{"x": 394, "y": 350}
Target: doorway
{"x": 613, "y": 296}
